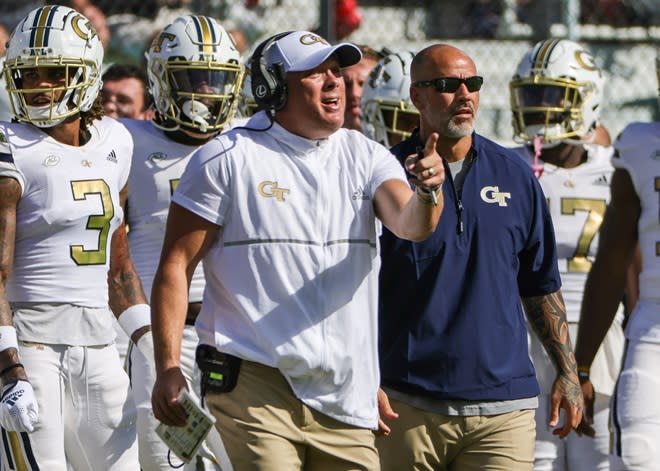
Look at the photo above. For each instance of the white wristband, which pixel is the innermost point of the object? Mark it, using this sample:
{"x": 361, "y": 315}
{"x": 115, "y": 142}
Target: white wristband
{"x": 135, "y": 317}
{"x": 8, "y": 338}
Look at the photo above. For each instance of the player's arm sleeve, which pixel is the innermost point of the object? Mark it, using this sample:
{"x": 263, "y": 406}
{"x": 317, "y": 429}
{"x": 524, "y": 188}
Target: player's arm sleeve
{"x": 385, "y": 167}
{"x": 204, "y": 188}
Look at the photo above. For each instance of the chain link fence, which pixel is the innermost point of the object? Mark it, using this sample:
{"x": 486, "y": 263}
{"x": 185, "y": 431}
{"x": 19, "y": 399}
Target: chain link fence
{"x": 623, "y": 34}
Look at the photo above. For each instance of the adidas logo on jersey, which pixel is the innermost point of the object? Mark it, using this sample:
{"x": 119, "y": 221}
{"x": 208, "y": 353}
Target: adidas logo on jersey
{"x": 359, "y": 194}
{"x": 112, "y": 157}
{"x": 601, "y": 181}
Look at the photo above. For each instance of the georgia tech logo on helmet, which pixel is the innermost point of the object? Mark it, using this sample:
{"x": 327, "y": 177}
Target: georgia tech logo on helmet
{"x": 309, "y": 39}
{"x": 90, "y": 30}
{"x": 585, "y": 60}
{"x": 269, "y": 189}
{"x": 157, "y": 43}
{"x": 492, "y": 194}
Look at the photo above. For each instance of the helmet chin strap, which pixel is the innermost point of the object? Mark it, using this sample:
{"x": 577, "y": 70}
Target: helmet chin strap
{"x": 41, "y": 116}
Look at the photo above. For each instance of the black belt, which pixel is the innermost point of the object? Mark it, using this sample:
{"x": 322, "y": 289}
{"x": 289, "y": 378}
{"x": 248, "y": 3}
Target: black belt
{"x": 193, "y": 312}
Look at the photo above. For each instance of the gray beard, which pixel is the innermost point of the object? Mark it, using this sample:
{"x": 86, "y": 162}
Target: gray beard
{"x": 455, "y": 131}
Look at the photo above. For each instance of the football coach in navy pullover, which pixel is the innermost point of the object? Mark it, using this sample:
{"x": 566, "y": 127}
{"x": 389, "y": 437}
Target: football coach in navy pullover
{"x": 455, "y": 372}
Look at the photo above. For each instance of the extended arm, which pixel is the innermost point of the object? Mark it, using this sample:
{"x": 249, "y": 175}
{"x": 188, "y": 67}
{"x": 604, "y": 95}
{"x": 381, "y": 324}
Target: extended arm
{"x": 10, "y": 193}
{"x": 187, "y": 238}
{"x": 606, "y": 280}
{"x": 414, "y": 216}
{"x": 547, "y": 316}
{"x": 19, "y": 410}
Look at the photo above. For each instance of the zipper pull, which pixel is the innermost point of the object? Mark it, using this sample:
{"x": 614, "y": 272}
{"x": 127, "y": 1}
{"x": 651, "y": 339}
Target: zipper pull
{"x": 459, "y": 225}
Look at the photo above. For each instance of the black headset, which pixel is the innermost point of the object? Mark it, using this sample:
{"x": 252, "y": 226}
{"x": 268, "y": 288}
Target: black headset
{"x": 268, "y": 82}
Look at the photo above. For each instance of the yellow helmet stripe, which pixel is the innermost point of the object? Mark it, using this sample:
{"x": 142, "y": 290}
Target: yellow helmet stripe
{"x": 41, "y": 26}
{"x": 205, "y": 34}
{"x": 543, "y": 53}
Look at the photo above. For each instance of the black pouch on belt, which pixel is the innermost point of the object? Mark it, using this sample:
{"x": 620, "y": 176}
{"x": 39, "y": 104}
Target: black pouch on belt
{"x": 219, "y": 370}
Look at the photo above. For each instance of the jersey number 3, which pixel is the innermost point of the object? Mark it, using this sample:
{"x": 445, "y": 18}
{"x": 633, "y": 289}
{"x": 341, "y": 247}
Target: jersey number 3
{"x": 96, "y": 222}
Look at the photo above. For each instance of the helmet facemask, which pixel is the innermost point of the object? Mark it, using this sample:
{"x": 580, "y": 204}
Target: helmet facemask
{"x": 550, "y": 108}
{"x": 56, "y": 103}
{"x": 201, "y": 95}
{"x": 390, "y": 122}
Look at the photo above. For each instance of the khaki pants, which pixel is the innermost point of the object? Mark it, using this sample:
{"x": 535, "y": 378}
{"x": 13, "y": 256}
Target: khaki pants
{"x": 423, "y": 440}
{"x": 265, "y": 427}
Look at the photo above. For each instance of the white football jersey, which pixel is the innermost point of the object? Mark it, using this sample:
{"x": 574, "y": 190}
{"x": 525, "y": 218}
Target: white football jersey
{"x": 577, "y": 198}
{"x": 158, "y": 163}
{"x": 638, "y": 149}
{"x": 67, "y": 213}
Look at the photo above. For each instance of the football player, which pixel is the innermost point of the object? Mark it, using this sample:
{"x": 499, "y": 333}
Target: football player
{"x": 355, "y": 77}
{"x": 632, "y": 221}
{"x": 388, "y": 114}
{"x": 556, "y": 95}
{"x": 195, "y": 79}
{"x": 63, "y": 175}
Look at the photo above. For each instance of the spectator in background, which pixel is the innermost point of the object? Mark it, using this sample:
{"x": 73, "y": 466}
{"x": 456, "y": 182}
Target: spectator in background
{"x": 354, "y": 78}
{"x": 244, "y": 20}
{"x": 125, "y": 93}
{"x": 605, "y": 12}
{"x": 4, "y": 37}
{"x": 347, "y": 18}
{"x": 5, "y": 106}
{"x": 540, "y": 15}
{"x": 482, "y": 18}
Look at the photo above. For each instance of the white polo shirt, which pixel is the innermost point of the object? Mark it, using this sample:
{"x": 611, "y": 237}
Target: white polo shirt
{"x": 292, "y": 283}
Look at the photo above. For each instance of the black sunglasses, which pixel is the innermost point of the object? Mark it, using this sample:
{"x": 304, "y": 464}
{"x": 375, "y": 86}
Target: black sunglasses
{"x": 451, "y": 84}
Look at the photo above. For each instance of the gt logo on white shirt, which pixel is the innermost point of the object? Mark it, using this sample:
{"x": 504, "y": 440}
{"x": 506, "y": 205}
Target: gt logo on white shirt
{"x": 492, "y": 194}
{"x": 272, "y": 190}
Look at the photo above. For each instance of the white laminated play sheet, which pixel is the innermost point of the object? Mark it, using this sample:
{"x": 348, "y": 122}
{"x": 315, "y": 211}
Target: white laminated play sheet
{"x": 185, "y": 441}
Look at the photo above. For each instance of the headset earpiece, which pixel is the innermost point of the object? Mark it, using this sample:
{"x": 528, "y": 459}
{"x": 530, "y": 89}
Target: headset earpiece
{"x": 268, "y": 83}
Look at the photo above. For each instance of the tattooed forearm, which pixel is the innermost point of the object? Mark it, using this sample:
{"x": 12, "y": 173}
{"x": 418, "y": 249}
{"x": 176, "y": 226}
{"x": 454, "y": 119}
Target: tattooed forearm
{"x": 10, "y": 194}
{"x": 547, "y": 316}
{"x": 124, "y": 286}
